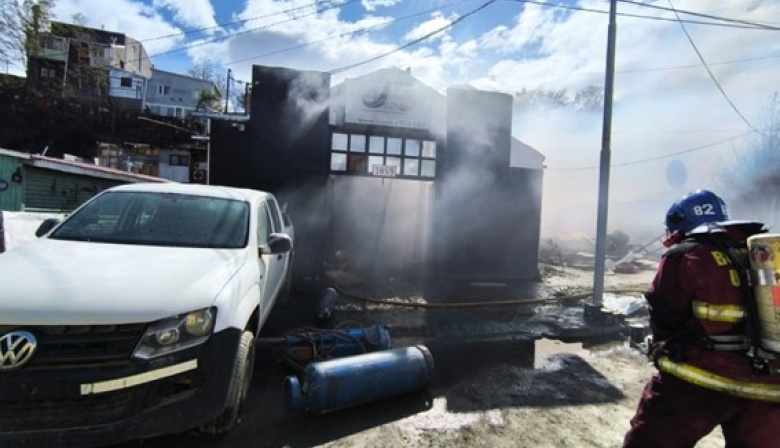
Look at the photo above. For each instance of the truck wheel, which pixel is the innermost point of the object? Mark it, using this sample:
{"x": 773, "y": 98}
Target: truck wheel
{"x": 240, "y": 383}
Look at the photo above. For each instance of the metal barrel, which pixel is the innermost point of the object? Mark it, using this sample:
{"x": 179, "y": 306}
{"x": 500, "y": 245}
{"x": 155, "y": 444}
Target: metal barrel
{"x": 335, "y": 384}
{"x": 764, "y": 255}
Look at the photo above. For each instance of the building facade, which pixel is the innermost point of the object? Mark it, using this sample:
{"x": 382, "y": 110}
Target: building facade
{"x": 174, "y": 95}
{"x": 390, "y": 173}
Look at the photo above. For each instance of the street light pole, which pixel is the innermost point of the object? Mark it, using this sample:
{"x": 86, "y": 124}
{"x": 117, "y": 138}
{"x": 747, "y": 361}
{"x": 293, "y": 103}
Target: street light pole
{"x": 604, "y": 167}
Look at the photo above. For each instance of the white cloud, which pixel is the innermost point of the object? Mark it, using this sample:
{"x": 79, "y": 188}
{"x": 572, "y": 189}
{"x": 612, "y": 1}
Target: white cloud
{"x": 135, "y": 19}
{"x": 436, "y": 22}
{"x": 371, "y": 5}
{"x": 190, "y": 13}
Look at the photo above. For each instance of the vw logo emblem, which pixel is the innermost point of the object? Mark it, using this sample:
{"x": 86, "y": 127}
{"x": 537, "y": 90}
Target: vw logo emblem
{"x": 16, "y": 348}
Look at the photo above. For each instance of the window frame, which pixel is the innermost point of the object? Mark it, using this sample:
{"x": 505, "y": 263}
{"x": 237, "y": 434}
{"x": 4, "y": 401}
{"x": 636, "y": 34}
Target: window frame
{"x": 413, "y": 157}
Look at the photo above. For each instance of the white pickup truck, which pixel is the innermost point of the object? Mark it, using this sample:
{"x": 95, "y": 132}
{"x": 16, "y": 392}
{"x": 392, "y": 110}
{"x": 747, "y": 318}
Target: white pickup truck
{"x": 137, "y": 315}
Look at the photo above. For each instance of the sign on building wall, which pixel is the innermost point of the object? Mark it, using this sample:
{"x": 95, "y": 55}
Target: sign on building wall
{"x": 388, "y": 104}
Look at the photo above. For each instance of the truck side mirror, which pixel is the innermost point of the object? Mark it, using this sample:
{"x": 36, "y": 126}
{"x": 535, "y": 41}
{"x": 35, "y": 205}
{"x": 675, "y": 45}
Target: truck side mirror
{"x": 278, "y": 243}
{"x": 46, "y": 226}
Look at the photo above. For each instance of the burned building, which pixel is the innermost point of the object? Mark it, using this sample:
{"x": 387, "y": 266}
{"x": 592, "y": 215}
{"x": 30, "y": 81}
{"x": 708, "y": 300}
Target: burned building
{"x": 389, "y": 173}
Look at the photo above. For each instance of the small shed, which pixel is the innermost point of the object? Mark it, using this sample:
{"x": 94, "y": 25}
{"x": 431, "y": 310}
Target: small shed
{"x": 37, "y": 183}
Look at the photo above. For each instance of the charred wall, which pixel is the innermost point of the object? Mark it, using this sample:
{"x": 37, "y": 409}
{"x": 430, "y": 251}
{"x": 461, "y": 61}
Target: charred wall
{"x": 283, "y": 148}
{"x": 487, "y": 215}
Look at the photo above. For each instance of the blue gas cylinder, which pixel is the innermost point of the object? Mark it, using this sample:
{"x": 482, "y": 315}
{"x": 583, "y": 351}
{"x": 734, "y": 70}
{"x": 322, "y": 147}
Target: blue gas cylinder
{"x": 306, "y": 345}
{"x": 326, "y": 303}
{"x": 335, "y": 384}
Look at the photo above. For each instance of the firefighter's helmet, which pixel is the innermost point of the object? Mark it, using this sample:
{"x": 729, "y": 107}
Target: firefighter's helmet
{"x": 694, "y": 209}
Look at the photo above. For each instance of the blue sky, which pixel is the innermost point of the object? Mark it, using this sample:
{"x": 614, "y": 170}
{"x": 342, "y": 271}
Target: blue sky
{"x": 677, "y": 88}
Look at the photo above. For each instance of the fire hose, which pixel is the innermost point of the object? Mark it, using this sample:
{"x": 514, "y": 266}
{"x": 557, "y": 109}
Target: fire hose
{"x": 579, "y": 296}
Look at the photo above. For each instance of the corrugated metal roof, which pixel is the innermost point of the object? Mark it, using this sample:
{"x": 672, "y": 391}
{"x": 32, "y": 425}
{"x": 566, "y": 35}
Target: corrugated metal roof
{"x": 82, "y": 168}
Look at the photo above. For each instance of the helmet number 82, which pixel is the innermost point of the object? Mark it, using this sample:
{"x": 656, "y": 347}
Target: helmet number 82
{"x": 704, "y": 209}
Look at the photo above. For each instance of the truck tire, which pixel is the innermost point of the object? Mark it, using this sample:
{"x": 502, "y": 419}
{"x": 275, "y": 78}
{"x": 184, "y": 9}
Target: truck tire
{"x": 240, "y": 383}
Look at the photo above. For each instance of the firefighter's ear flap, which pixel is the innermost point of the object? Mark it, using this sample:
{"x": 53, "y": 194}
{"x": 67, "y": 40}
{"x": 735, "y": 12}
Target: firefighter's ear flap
{"x": 675, "y": 218}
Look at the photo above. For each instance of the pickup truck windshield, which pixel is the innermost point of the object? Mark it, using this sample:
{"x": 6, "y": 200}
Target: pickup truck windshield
{"x": 159, "y": 219}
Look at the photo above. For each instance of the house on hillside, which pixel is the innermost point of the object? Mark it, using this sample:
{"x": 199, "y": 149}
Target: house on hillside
{"x": 92, "y": 65}
{"x": 175, "y": 95}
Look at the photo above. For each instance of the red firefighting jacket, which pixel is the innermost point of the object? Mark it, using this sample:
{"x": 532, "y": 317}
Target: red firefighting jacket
{"x": 698, "y": 313}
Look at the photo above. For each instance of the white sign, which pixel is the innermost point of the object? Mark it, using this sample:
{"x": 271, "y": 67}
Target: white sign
{"x": 384, "y": 170}
{"x": 388, "y": 104}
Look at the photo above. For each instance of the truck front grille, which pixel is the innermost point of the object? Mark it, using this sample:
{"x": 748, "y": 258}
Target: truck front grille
{"x": 83, "y": 411}
{"x": 82, "y": 345}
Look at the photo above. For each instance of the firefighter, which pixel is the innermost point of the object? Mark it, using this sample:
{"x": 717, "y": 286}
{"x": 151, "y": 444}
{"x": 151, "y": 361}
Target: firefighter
{"x": 708, "y": 372}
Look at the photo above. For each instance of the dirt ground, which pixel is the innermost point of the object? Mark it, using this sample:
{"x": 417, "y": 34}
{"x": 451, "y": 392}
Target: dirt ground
{"x": 575, "y": 394}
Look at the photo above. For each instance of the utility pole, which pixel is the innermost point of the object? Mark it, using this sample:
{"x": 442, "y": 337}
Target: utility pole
{"x": 606, "y": 140}
{"x": 227, "y": 90}
{"x": 246, "y": 98}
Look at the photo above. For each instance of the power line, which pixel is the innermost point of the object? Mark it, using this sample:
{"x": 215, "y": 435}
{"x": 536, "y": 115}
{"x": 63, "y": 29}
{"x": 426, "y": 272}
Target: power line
{"x": 350, "y": 33}
{"x": 712, "y": 76}
{"x": 236, "y": 22}
{"x": 679, "y": 67}
{"x": 310, "y": 43}
{"x": 414, "y": 42}
{"x": 664, "y": 156}
{"x": 229, "y": 35}
{"x": 248, "y": 31}
{"x": 698, "y": 14}
{"x": 730, "y": 23}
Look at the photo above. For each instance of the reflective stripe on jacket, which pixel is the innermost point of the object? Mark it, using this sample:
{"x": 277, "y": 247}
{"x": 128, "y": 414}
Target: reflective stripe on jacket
{"x": 698, "y": 310}
{"x": 718, "y": 313}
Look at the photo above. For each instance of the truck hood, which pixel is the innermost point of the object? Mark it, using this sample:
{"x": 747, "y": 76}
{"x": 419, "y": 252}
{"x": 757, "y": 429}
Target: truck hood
{"x": 55, "y": 282}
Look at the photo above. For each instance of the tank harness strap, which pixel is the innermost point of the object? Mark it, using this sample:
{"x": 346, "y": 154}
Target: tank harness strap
{"x": 707, "y": 311}
{"x": 709, "y": 380}
{"x": 738, "y": 255}
{"x": 730, "y": 342}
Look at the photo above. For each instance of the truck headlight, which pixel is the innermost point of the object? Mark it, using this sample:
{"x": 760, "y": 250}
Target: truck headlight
{"x": 176, "y": 333}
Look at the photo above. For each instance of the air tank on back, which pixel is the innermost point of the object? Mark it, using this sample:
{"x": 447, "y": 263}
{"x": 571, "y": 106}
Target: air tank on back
{"x": 764, "y": 250}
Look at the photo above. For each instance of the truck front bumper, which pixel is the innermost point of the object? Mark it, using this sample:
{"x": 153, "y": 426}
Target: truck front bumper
{"x": 109, "y": 404}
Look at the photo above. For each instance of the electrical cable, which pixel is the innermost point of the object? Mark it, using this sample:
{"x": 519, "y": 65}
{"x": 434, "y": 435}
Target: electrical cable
{"x": 712, "y": 75}
{"x": 236, "y": 22}
{"x": 310, "y": 43}
{"x": 415, "y": 41}
{"x": 731, "y": 23}
{"x": 664, "y": 156}
{"x": 350, "y": 33}
{"x": 708, "y": 16}
{"x": 247, "y": 31}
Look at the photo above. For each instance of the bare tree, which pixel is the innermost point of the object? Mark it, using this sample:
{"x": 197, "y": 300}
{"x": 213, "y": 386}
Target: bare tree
{"x": 22, "y": 28}
{"x": 79, "y": 19}
{"x": 208, "y": 70}
{"x": 536, "y": 98}
{"x": 587, "y": 99}
{"x": 750, "y": 174}
{"x": 590, "y": 98}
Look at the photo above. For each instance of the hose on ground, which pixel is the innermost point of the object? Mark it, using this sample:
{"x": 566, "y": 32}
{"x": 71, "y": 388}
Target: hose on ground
{"x": 579, "y": 296}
